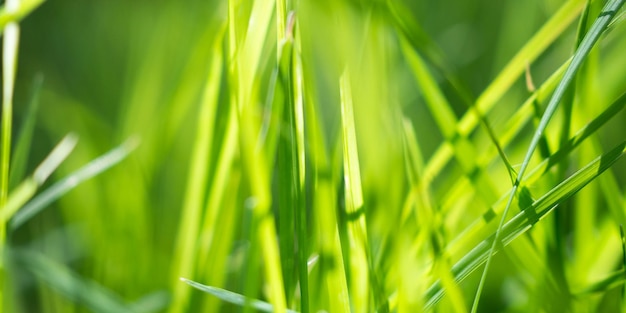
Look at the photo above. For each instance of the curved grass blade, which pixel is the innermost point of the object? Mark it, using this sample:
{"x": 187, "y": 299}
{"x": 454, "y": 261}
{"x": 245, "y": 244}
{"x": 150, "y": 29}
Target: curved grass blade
{"x": 60, "y": 188}
{"x": 526, "y": 219}
{"x": 233, "y": 298}
{"x": 583, "y": 50}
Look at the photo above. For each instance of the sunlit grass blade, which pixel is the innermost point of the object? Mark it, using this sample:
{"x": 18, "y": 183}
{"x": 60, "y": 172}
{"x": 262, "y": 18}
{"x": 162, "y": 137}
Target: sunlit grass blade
{"x": 332, "y": 290}
{"x": 246, "y": 65}
{"x": 233, "y": 298}
{"x": 468, "y": 237}
{"x": 68, "y": 183}
{"x": 297, "y": 126}
{"x": 197, "y": 180}
{"x": 27, "y": 188}
{"x": 71, "y": 285}
{"x": 360, "y": 275}
{"x": 524, "y": 220}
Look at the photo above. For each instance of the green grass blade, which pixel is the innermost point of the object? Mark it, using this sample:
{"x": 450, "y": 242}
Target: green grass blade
{"x": 197, "y": 180}
{"x": 68, "y": 183}
{"x": 22, "y": 147}
{"x": 232, "y": 297}
{"x": 590, "y": 39}
{"x": 28, "y": 187}
{"x": 358, "y": 264}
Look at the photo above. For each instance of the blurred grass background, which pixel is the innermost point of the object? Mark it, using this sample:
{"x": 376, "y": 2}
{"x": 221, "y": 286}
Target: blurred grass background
{"x": 112, "y": 69}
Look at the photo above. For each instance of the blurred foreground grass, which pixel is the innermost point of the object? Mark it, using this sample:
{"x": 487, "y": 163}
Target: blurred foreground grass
{"x": 315, "y": 155}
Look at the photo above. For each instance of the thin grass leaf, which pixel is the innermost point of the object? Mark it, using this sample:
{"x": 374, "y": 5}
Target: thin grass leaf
{"x": 471, "y": 235}
{"x": 526, "y": 219}
{"x": 300, "y": 155}
{"x": 505, "y": 79}
{"x": 27, "y": 188}
{"x": 333, "y": 287}
{"x": 590, "y": 39}
{"x": 234, "y": 298}
{"x": 357, "y": 260}
{"x": 24, "y": 141}
{"x": 197, "y": 179}
{"x": 245, "y": 68}
{"x": 68, "y": 183}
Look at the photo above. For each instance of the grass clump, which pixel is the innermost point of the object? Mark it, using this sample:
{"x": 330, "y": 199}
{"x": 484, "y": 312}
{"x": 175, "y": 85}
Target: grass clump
{"x": 306, "y": 156}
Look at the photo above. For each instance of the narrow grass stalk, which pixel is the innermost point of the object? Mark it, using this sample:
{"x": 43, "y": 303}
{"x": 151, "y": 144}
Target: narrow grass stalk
{"x": 357, "y": 235}
{"x": 587, "y": 43}
{"x": 197, "y": 181}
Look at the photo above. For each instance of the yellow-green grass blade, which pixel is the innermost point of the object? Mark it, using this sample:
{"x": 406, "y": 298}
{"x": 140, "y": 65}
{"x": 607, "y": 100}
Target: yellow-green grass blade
{"x": 24, "y": 141}
{"x": 234, "y": 298}
{"x": 526, "y": 219}
{"x": 28, "y": 187}
{"x": 333, "y": 287}
{"x": 288, "y": 171}
{"x": 358, "y": 260}
{"x": 213, "y": 261}
{"x": 197, "y": 181}
{"x": 245, "y": 69}
{"x": 300, "y": 163}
